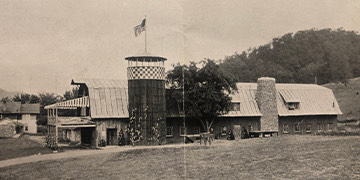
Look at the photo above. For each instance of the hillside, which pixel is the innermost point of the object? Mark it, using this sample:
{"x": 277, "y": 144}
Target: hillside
{"x": 10, "y": 94}
{"x": 348, "y": 97}
{"x": 307, "y": 56}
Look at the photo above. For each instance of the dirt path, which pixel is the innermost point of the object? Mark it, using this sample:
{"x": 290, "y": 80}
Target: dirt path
{"x": 80, "y": 153}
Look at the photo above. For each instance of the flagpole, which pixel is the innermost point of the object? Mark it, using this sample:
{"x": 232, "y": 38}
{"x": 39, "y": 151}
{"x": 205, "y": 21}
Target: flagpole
{"x": 145, "y": 36}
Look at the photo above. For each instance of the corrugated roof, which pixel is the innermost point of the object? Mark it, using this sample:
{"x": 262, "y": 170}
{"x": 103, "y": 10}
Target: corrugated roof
{"x": 313, "y": 100}
{"x": 10, "y": 107}
{"x": 108, "y": 97}
{"x": 246, "y": 97}
{"x": 30, "y": 108}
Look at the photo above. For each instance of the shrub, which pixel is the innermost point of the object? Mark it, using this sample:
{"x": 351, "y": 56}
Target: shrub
{"x": 51, "y": 142}
{"x": 121, "y": 138}
{"x": 102, "y": 143}
{"x": 41, "y": 129}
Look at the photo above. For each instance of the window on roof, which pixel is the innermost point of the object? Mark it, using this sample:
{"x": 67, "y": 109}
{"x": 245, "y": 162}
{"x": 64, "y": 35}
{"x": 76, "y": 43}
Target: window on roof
{"x": 235, "y": 106}
{"x": 293, "y": 105}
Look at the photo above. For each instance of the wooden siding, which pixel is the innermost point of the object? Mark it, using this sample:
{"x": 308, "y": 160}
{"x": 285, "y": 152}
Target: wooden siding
{"x": 303, "y": 121}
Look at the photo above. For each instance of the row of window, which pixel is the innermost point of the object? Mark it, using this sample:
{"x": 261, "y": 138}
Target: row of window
{"x": 182, "y": 131}
{"x": 297, "y": 127}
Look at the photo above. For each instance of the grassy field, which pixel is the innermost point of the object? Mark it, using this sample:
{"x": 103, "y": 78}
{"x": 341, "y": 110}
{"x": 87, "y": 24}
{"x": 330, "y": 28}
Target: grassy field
{"x": 23, "y": 146}
{"x": 283, "y": 157}
{"x": 348, "y": 98}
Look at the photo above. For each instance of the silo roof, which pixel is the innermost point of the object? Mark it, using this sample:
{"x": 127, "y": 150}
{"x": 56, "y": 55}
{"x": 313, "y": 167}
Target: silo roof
{"x": 147, "y": 57}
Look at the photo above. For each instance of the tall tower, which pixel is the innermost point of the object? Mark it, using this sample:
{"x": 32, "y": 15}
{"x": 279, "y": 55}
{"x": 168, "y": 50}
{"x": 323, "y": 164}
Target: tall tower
{"x": 146, "y": 89}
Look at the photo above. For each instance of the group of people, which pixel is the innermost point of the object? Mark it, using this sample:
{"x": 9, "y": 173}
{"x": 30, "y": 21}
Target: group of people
{"x": 244, "y": 134}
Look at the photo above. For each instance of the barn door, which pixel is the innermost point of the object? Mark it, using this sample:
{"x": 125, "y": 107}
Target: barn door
{"x": 111, "y": 136}
{"x": 237, "y": 131}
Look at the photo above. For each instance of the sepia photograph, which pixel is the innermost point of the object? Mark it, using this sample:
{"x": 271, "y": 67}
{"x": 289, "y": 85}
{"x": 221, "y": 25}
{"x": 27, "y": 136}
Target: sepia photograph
{"x": 180, "y": 89}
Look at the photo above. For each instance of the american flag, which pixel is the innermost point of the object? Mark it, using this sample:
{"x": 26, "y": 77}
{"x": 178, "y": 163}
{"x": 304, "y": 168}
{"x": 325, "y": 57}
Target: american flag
{"x": 140, "y": 28}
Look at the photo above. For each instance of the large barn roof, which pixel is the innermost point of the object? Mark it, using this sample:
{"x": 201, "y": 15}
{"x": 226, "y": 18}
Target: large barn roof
{"x": 109, "y": 99}
{"x": 246, "y": 97}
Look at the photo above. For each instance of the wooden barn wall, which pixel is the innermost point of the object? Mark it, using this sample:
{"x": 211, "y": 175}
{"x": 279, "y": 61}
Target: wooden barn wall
{"x": 176, "y": 123}
{"x": 303, "y": 121}
{"x": 229, "y": 123}
{"x": 103, "y": 124}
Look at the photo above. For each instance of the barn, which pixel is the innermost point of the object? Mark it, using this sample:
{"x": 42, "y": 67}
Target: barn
{"x": 261, "y": 108}
{"x": 106, "y": 107}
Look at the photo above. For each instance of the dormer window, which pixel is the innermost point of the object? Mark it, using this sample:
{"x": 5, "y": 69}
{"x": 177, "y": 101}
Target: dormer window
{"x": 235, "y": 106}
{"x": 293, "y": 105}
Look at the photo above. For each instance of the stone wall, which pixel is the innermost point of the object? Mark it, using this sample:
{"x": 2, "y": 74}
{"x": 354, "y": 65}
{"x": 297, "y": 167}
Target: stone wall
{"x": 266, "y": 100}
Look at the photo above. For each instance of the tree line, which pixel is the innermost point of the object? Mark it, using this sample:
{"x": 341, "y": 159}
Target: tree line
{"x": 308, "y": 56}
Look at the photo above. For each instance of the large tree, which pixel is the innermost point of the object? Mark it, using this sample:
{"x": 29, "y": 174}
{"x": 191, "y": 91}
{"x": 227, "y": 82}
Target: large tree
{"x": 206, "y": 91}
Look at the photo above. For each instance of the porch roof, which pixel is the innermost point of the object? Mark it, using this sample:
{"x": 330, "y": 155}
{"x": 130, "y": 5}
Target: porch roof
{"x": 70, "y": 104}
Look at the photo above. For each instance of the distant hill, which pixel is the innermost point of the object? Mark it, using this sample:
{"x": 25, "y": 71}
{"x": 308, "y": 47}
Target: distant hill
{"x": 348, "y": 97}
{"x": 9, "y": 94}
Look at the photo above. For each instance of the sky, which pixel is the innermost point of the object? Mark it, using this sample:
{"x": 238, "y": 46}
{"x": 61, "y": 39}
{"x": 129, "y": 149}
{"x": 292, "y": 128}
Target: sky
{"x": 46, "y": 43}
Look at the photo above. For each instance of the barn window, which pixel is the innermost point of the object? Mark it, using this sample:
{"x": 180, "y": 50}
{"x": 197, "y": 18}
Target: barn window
{"x": 319, "y": 127}
{"x": 308, "y": 128}
{"x": 285, "y": 128}
{"x": 329, "y": 127}
{"x": 169, "y": 131}
{"x": 293, "y": 105}
{"x": 235, "y": 106}
{"x": 250, "y": 128}
{"x": 223, "y": 130}
{"x": 297, "y": 127}
{"x": 182, "y": 131}
{"x": 196, "y": 130}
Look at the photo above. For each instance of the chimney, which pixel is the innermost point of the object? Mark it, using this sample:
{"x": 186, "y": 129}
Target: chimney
{"x": 266, "y": 95}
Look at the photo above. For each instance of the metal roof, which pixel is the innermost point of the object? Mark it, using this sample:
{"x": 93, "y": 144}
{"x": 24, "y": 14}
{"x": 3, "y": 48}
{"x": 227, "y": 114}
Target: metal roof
{"x": 30, "y": 108}
{"x": 10, "y": 107}
{"x": 108, "y": 97}
{"x": 313, "y": 100}
{"x": 246, "y": 97}
{"x": 145, "y": 57}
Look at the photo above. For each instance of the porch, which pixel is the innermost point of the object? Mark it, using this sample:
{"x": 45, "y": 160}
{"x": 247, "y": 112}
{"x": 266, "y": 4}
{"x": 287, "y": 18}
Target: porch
{"x": 74, "y": 126}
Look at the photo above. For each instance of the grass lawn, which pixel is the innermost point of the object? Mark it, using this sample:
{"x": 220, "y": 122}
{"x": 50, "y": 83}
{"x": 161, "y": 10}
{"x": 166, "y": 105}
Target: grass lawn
{"x": 283, "y": 157}
{"x": 22, "y": 146}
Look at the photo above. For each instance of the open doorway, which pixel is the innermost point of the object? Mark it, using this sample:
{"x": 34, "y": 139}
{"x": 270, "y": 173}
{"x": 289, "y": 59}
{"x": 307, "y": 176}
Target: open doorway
{"x": 111, "y": 136}
{"x": 87, "y": 136}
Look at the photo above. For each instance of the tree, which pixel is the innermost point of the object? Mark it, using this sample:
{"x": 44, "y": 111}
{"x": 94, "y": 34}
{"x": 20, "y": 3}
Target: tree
{"x": 206, "y": 91}
{"x": 71, "y": 94}
{"x": 26, "y": 98}
{"x": 46, "y": 99}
